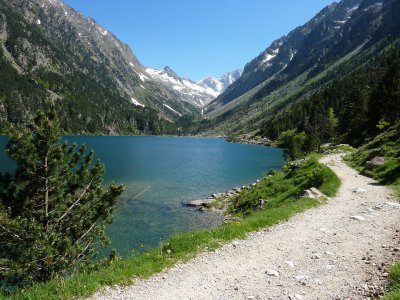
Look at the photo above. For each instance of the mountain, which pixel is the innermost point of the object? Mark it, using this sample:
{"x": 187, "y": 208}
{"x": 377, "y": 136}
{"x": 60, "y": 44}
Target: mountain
{"x": 198, "y": 94}
{"x": 339, "y": 40}
{"x": 219, "y": 85}
{"x": 50, "y": 51}
{"x": 183, "y": 89}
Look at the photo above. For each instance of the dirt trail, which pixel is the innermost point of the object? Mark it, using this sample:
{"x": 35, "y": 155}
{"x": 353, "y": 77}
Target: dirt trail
{"x": 338, "y": 250}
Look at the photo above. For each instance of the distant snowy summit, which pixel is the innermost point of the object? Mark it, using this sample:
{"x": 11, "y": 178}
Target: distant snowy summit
{"x": 198, "y": 94}
{"x": 219, "y": 85}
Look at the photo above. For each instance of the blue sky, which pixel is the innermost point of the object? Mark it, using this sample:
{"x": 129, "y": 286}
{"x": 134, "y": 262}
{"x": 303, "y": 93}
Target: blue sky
{"x": 198, "y": 38}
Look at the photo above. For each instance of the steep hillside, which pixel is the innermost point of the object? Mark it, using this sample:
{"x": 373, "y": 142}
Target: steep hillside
{"x": 48, "y": 50}
{"x": 340, "y": 39}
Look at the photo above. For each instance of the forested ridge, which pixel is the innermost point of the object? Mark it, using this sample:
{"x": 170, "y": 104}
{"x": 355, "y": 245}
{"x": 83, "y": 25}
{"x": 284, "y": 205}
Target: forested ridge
{"x": 364, "y": 102}
{"x": 38, "y": 65}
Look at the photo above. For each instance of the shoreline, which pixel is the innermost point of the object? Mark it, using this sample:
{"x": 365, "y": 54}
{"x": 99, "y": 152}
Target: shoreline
{"x": 328, "y": 257}
{"x": 225, "y": 197}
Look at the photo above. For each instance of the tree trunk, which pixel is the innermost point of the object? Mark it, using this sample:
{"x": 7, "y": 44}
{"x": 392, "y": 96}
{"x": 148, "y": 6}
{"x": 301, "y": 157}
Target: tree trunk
{"x": 46, "y": 194}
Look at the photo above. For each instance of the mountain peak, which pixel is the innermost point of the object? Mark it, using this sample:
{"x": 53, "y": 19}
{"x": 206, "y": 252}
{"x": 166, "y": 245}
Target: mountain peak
{"x": 220, "y": 84}
{"x": 170, "y": 72}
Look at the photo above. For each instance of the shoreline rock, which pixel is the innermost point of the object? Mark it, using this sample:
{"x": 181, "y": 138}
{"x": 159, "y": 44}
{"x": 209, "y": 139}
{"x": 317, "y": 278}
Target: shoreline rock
{"x": 200, "y": 202}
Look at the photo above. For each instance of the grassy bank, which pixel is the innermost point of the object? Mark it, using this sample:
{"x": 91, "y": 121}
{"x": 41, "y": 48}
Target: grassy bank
{"x": 387, "y": 146}
{"x": 394, "y": 294}
{"x": 283, "y": 190}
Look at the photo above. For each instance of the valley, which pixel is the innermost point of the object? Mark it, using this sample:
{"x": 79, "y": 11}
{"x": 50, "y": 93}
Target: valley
{"x": 323, "y": 96}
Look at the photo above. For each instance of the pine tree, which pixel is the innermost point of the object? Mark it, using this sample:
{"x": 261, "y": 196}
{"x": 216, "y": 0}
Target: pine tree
{"x": 54, "y": 209}
{"x": 293, "y": 142}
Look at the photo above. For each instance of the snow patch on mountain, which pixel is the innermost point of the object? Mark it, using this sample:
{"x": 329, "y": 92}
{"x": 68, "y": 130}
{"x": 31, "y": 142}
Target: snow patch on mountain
{"x": 199, "y": 94}
{"x": 183, "y": 89}
{"x": 173, "y": 110}
{"x": 136, "y": 103}
{"x": 141, "y": 76}
{"x": 219, "y": 85}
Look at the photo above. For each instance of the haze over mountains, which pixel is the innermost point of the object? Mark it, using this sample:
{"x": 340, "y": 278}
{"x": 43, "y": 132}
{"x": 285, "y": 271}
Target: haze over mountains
{"x": 50, "y": 51}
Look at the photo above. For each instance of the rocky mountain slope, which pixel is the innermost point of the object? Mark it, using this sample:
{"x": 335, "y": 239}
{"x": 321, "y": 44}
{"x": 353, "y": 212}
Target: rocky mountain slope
{"x": 95, "y": 80}
{"x": 339, "y": 40}
{"x": 198, "y": 94}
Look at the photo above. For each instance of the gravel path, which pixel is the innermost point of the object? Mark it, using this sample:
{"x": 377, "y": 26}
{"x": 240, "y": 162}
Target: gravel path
{"x": 338, "y": 250}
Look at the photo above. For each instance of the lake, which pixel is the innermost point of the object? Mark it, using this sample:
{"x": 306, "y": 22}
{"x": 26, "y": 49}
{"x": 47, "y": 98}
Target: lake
{"x": 160, "y": 173}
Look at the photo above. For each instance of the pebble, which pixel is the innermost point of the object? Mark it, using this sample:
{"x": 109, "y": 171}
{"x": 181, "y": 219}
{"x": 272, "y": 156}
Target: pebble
{"x": 316, "y": 255}
{"x": 272, "y": 273}
{"x": 301, "y": 277}
{"x": 359, "y": 218}
{"x": 330, "y": 267}
{"x": 359, "y": 190}
{"x": 235, "y": 243}
{"x": 290, "y": 263}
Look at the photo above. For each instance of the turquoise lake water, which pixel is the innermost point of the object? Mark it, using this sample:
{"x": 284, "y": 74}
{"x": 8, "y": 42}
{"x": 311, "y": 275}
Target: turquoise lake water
{"x": 160, "y": 173}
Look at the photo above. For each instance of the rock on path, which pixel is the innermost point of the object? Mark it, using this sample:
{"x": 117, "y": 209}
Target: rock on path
{"x": 331, "y": 254}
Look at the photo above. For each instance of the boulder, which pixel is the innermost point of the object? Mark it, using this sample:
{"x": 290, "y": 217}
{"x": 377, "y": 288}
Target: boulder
{"x": 313, "y": 193}
{"x": 316, "y": 192}
{"x": 262, "y": 202}
{"x": 308, "y": 194}
{"x": 200, "y": 202}
{"x": 218, "y": 195}
{"x": 375, "y": 162}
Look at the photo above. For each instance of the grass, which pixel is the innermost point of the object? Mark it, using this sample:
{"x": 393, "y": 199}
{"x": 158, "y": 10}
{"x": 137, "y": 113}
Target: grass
{"x": 387, "y": 145}
{"x": 288, "y": 185}
{"x": 285, "y": 188}
{"x": 394, "y": 293}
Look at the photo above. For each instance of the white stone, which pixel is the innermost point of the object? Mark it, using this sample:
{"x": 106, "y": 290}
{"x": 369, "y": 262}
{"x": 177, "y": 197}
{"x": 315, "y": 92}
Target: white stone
{"x": 301, "y": 277}
{"x": 272, "y": 273}
{"x": 316, "y": 255}
{"x": 290, "y": 264}
{"x": 393, "y": 204}
{"x": 235, "y": 243}
{"x": 358, "y": 218}
{"x": 359, "y": 190}
{"x": 330, "y": 267}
